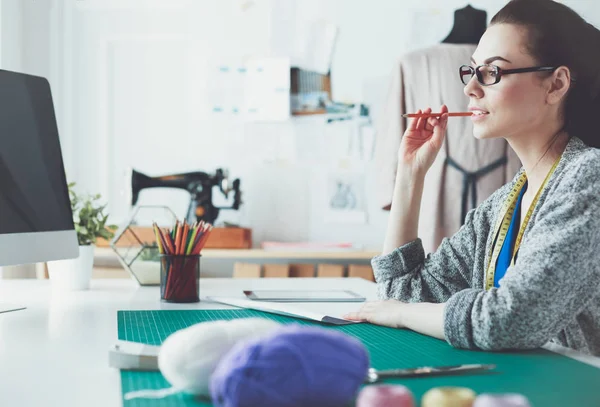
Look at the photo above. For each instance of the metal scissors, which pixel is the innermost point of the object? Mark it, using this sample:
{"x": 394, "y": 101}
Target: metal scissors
{"x": 374, "y": 375}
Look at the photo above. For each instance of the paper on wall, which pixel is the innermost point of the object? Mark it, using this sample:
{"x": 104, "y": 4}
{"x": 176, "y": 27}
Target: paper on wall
{"x": 256, "y": 89}
{"x": 267, "y": 89}
{"x": 317, "y": 41}
{"x": 308, "y": 44}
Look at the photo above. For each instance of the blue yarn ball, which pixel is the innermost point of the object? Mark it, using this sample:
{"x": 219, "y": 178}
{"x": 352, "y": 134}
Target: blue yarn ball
{"x": 291, "y": 366}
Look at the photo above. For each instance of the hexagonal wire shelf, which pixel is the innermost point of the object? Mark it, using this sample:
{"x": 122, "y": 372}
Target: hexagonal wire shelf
{"x": 135, "y": 243}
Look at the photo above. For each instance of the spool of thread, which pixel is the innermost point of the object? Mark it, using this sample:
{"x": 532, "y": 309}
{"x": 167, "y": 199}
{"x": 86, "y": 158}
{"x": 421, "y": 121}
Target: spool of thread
{"x": 293, "y": 366}
{"x": 385, "y": 396}
{"x": 448, "y": 397}
{"x": 188, "y": 357}
{"x": 501, "y": 400}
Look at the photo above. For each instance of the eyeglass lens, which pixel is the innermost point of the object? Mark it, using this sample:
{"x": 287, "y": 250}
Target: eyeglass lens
{"x": 486, "y": 74}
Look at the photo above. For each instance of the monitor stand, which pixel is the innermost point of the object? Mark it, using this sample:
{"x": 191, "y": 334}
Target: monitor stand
{"x": 10, "y": 308}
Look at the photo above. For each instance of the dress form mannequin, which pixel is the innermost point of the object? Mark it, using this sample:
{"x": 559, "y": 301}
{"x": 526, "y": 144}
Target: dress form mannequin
{"x": 469, "y": 25}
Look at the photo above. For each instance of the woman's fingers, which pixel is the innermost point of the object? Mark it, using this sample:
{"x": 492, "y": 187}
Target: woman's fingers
{"x": 435, "y": 121}
{"x": 421, "y": 123}
{"x": 363, "y": 313}
{"x": 413, "y": 123}
{"x": 354, "y": 316}
{"x": 439, "y": 130}
{"x": 423, "y": 120}
{"x": 431, "y": 123}
{"x": 444, "y": 118}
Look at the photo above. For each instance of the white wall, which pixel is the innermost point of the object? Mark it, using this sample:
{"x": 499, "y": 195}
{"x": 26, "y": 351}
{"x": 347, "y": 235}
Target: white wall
{"x": 129, "y": 82}
{"x": 11, "y": 28}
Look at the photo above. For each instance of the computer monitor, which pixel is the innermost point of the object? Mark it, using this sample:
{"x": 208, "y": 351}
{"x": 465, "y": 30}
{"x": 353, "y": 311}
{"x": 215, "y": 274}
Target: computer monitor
{"x": 36, "y": 222}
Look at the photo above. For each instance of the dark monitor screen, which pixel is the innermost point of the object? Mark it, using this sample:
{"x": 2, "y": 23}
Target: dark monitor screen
{"x": 33, "y": 191}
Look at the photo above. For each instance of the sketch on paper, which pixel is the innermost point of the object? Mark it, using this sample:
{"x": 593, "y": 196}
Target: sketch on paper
{"x": 346, "y": 198}
{"x": 343, "y": 197}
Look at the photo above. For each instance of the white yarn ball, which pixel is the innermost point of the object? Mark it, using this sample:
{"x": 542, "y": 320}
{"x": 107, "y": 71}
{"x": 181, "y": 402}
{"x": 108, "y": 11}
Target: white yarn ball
{"x": 188, "y": 357}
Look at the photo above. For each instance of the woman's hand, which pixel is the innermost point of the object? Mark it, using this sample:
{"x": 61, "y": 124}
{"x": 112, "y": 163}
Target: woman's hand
{"x": 386, "y": 313}
{"x": 422, "y": 141}
{"x": 423, "y": 317}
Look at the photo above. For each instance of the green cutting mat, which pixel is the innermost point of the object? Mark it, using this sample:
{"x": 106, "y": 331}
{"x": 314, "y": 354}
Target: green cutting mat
{"x": 546, "y": 378}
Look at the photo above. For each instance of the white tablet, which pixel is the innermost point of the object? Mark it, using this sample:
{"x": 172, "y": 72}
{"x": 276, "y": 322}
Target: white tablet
{"x": 304, "y": 295}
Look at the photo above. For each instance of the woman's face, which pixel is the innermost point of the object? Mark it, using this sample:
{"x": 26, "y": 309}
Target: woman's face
{"x": 515, "y": 105}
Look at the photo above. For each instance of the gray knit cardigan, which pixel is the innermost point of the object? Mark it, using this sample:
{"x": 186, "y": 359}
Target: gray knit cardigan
{"x": 552, "y": 293}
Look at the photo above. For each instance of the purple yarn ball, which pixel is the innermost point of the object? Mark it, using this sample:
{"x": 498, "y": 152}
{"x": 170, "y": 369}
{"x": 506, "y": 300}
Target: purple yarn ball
{"x": 292, "y": 366}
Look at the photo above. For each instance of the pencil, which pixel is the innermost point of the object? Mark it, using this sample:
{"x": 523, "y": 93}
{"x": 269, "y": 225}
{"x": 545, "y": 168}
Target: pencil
{"x": 202, "y": 241}
{"x": 159, "y": 241}
{"x": 454, "y": 114}
{"x": 178, "y": 236}
{"x": 191, "y": 241}
{"x": 184, "y": 238}
{"x": 169, "y": 242}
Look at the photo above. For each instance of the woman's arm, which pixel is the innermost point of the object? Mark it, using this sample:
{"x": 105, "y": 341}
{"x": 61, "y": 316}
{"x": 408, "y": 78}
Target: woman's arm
{"x": 406, "y": 274}
{"x": 403, "y": 223}
{"x": 425, "y": 318}
{"x": 402, "y": 272}
{"x": 423, "y": 284}
{"x": 420, "y": 144}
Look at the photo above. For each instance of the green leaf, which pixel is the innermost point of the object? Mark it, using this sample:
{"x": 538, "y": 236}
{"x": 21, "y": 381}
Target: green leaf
{"x": 89, "y": 217}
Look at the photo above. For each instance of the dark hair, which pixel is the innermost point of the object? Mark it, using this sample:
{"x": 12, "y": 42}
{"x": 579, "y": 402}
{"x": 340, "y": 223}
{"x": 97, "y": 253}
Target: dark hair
{"x": 558, "y": 36}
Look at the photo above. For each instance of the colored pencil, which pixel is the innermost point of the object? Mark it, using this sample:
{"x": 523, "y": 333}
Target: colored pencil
{"x": 162, "y": 247}
{"x": 183, "y": 239}
{"x": 191, "y": 241}
{"x": 453, "y": 114}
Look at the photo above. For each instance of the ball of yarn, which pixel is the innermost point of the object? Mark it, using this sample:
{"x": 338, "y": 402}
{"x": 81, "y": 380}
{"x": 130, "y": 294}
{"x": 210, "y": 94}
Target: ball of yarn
{"x": 292, "y": 366}
{"x": 501, "y": 400}
{"x": 448, "y": 397}
{"x": 385, "y": 396}
{"x": 188, "y": 357}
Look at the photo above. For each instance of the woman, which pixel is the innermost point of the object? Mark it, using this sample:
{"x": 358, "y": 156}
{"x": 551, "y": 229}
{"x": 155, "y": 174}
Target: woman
{"x": 537, "y": 280}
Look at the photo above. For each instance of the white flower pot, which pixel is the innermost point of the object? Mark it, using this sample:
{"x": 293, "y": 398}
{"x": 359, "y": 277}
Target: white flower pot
{"x": 73, "y": 274}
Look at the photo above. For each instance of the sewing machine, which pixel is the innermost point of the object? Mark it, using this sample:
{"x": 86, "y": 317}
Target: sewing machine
{"x": 198, "y": 184}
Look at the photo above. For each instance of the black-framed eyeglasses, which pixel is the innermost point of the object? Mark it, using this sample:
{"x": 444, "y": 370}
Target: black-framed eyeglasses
{"x": 490, "y": 74}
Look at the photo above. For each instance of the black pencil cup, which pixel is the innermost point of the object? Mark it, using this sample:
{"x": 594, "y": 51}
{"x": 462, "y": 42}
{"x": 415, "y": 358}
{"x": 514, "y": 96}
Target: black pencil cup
{"x": 180, "y": 278}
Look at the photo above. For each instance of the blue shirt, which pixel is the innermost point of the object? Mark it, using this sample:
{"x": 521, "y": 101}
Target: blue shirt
{"x": 505, "y": 256}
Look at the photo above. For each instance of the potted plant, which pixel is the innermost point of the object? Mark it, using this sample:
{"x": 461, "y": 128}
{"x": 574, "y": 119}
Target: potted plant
{"x": 89, "y": 219}
{"x": 146, "y": 267}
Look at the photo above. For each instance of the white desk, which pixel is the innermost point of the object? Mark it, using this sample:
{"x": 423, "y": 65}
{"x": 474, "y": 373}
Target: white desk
{"x": 55, "y": 353}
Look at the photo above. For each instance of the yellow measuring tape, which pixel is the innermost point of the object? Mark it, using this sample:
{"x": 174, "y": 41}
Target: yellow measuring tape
{"x": 501, "y": 229}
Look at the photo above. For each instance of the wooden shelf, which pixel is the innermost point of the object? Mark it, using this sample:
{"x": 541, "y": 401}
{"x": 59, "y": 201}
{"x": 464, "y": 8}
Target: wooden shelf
{"x": 285, "y": 254}
{"x": 309, "y": 112}
{"x": 269, "y": 254}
